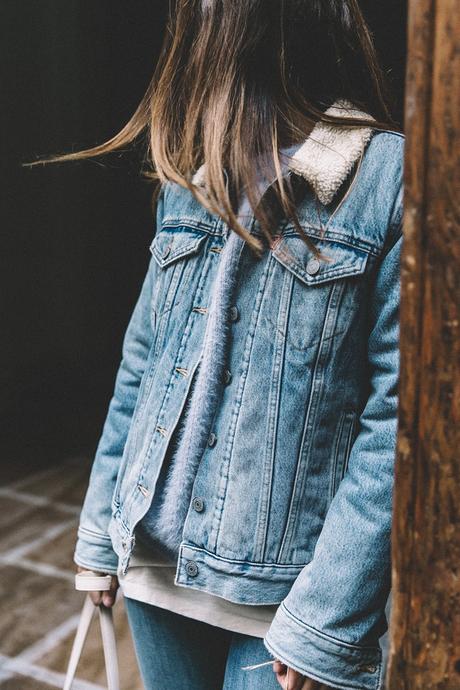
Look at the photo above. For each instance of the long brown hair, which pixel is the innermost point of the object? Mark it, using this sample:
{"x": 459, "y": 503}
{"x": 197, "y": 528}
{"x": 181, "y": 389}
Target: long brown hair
{"x": 238, "y": 79}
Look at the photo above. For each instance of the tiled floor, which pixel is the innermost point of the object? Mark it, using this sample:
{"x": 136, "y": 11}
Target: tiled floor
{"x": 38, "y": 603}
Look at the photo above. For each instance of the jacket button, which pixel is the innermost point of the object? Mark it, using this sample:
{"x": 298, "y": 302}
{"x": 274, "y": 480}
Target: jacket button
{"x": 313, "y": 267}
{"x": 198, "y": 504}
{"x": 167, "y": 251}
{"x": 227, "y": 377}
{"x": 233, "y": 313}
{"x": 191, "y": 568}
{"x": 212, "y": 439}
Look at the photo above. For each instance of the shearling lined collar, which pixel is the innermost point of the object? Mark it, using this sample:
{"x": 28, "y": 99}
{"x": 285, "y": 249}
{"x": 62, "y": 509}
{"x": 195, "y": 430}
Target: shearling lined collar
{"x": 327, "y": 155}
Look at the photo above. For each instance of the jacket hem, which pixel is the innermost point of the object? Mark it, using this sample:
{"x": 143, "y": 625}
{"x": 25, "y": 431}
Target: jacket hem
{"x": 238, "y": 581}
{"x": 312, "y": 653}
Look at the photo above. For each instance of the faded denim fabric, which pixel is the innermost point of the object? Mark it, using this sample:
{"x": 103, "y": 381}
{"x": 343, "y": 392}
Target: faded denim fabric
{"x": 161, "y": 527}
{"x": 203, "y": 656}
{"x": 294, "y": 487}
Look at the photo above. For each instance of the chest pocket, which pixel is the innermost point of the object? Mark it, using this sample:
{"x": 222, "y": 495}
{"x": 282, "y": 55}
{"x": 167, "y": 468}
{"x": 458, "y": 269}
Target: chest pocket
{"x": 177, "y": 251}
{"x": 344, "y": 260}
{"x": 174, "y": 243}
{"x": 323, "y": 294}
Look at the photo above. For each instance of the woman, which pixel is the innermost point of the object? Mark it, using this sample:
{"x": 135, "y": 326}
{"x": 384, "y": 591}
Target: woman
{"x": 241, "y": 489}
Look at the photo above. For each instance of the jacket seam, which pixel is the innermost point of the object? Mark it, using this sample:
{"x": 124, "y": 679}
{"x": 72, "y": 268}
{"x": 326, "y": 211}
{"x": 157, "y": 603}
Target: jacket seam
{"x": 335, "y": 236}
{"x": 98, "y": 567}
{"x": 170, "y": 384}
{"x": 93, "y": 533}
{"x": 328, "y": 638}
{"x": 311, "y": 414}
{"x": 243, "y": 561}
{"x": 208, "y": 228}
{"x": 224, "y": 470}
{"x": 272, "y": 425}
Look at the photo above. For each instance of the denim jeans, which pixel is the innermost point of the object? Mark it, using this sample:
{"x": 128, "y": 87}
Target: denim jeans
{"x": 174, "y": 651}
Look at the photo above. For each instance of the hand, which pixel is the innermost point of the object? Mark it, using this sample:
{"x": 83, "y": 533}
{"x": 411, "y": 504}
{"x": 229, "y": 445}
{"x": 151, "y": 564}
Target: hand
{"x": 293, "y": 680}
{"x": 107, "y": 597}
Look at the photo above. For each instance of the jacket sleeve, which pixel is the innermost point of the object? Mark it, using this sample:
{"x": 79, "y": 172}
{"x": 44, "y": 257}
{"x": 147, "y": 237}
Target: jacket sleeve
{"x": 329, "y": 624}
{"x": 93, "y": 548}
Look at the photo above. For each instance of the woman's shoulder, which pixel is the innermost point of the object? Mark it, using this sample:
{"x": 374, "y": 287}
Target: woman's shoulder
{"x": 384, "y": 178}
{"x": 374, "y": 208}
{"x": 383, "y": 162}
{"x": 386, "y": 146}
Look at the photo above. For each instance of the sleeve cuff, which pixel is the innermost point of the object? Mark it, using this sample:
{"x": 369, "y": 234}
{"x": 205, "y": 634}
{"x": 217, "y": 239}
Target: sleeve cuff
{"x": 95, "y": 552}
{"x": 321, "y": 657}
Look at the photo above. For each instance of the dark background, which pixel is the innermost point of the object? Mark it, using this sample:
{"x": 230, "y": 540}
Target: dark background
{"x": 75, "y": 236}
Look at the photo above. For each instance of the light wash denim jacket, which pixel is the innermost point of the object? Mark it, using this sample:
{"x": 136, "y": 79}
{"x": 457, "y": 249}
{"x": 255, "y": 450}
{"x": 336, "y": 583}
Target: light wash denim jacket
{"x": 292, "y": 497}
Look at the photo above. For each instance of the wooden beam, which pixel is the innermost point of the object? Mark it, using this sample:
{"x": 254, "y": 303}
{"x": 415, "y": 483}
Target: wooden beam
{"x": 425, "y": 620}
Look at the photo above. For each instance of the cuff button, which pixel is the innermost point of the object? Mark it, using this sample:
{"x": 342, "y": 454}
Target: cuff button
{"x": 191, "y": 568}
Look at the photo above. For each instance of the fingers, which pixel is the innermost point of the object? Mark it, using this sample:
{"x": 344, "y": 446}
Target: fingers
{"x": 106, "y": 597}
{"x": 294, "y": 680}
{"x": 96, "y": 598}
{"x": 109, "y": 596}
{"x": 280, "y": 671}
{"x": 287, "y": 678}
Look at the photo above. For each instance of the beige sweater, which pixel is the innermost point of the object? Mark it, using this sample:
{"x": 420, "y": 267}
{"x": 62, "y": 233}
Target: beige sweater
{"x": 151, "y": 580}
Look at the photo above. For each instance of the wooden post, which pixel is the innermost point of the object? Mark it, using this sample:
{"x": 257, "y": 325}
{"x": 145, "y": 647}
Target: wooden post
{"x": 425, "y": 621}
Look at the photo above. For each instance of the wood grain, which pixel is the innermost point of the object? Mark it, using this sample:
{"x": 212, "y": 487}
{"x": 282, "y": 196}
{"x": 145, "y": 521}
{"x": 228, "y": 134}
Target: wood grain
{"x": 425, "y": 622}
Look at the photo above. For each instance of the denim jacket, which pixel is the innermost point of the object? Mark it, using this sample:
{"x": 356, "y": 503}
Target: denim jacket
{"x": 292, "y": 496}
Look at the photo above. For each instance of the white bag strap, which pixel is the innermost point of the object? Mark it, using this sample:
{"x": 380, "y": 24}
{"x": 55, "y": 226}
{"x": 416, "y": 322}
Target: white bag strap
{"x": 91, "y": 582}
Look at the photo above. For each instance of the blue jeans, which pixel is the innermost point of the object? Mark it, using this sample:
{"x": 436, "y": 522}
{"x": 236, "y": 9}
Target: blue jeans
{"x": 174, "y": 651}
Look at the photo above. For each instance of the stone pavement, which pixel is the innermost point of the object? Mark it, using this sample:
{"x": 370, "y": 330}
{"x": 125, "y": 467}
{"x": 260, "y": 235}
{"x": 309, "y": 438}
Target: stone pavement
{"x": 39, "y": 607}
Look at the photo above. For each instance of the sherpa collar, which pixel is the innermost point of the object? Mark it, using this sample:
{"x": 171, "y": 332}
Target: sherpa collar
{"x": 327, "y": 155}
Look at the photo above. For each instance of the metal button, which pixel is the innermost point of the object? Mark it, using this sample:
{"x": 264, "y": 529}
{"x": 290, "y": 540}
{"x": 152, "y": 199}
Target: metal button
{"x": 227, "y": 377}
{"x": 212, "y": 439}
{"x": 191, "y": 568}
{"x": 313, "y": 267}
{"x": 233, "y": 313}
{"x": 198, "y": 504}
{"x": 167, "y": 251}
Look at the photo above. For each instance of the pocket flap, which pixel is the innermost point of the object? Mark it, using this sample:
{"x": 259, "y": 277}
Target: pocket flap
{"x": 173, "y": 243}
{"x": 345, "y": 260}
